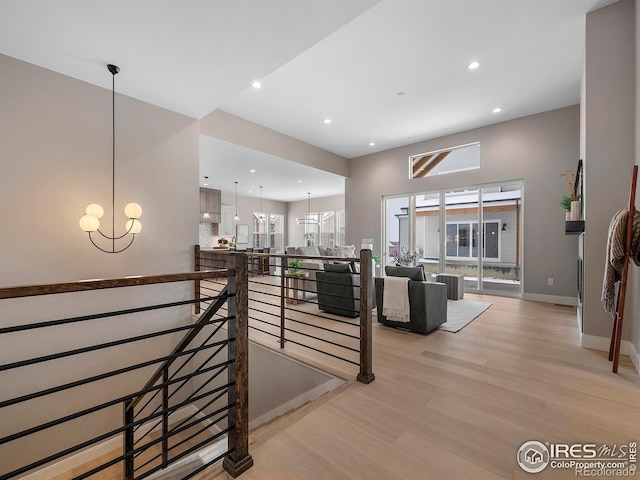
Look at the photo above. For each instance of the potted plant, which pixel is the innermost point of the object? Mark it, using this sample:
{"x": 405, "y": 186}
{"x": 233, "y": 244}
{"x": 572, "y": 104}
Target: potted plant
{"x": 571, "y": 202}
{"x": 405, "y": 259}
{"x": 294, "y": 266}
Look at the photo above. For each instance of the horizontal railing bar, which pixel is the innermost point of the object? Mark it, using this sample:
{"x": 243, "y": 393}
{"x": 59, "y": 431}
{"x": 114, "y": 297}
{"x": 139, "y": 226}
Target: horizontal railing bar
{"x": 264, "y": 321}
{"x": 319, "y": 315}
{"x": 84, "y": 285}
{"x": 97, "y": 316}
{"x": 100, "y": 346}
{"x": 102, "y": 376}
{"x": 320, "y": 351}
{"x": 264, "y": 331}
{"x": 355, "y": 337}
{"x": 92, "y": 441}
{"x": 321, "y": 340}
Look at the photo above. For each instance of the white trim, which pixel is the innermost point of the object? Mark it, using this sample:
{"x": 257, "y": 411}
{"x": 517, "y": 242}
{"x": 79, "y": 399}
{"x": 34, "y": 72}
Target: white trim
{"x": 603, "y": 343}
{"x": 103, "y": 448}
{"x": 537, "y": 297}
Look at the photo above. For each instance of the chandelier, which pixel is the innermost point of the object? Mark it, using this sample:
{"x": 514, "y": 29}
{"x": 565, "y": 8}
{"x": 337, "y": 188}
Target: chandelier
{"x": 90, "y": 222}
{"x": 308, "y": 219}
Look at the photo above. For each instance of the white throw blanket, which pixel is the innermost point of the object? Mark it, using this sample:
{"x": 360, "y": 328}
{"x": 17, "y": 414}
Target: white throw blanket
{"x": 396, "y": 299}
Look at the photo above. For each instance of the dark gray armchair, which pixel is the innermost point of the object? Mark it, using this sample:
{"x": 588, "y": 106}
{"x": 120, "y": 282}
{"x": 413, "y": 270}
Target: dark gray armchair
{"x": 339, "y": 292}
{"x": 427, "y": 303}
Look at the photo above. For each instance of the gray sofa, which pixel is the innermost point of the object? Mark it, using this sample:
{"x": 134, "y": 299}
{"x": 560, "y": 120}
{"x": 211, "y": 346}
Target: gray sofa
{"x": 427, "y": 301}
{"x": 315, "y": 265}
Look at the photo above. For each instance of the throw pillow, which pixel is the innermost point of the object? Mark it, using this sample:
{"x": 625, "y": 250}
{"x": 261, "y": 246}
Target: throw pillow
{"x": 348, "y": 250}
{"x": 414, "y": 273}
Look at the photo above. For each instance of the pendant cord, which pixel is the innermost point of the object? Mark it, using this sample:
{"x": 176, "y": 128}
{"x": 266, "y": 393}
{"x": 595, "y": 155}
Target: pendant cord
{"x": 113, "y": 159}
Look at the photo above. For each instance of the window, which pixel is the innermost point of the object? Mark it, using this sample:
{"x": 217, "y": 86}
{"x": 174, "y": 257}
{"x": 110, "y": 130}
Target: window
{"x": 276, "y": 230}
{"x": 327, "y": 229}
{"x": 259, "y": 230}
{"x": 462, "y": 240}
{"x": 439, "y": 162}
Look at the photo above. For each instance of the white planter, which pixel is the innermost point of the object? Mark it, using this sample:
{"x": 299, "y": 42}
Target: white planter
{"x": 576, "y": 210}
{"x": 567, "y": 216}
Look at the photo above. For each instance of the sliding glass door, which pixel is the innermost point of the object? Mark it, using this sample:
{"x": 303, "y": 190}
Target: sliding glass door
{"x": 475, "y": 232}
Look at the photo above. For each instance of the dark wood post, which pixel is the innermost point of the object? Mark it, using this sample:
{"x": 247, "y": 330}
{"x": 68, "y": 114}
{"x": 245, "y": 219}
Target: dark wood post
{"x": 165, "y": 416}
{"x": 366, "y": 304}
{"x": 128, "y": 446}
{"x": 239, "y": 460}
{"x": 196, "y": 283}
{"x": 284, "y": 263}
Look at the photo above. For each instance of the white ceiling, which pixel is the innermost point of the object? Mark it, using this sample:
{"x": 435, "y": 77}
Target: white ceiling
{"x": 344, "y": 60}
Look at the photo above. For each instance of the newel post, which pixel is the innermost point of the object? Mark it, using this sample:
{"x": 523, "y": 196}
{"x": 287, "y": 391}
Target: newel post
{"x": 366, "y": 304}
{"x": 239, "y": 460}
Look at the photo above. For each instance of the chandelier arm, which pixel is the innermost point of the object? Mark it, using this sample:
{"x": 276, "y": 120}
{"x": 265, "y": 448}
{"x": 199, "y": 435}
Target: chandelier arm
{"x": 114, "y": 238}
{"x": 133, "y": 237}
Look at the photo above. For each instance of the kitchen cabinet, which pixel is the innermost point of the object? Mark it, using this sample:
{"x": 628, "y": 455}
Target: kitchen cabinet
{"x": 210, "y": 205}
{"x": 226, "y": 221}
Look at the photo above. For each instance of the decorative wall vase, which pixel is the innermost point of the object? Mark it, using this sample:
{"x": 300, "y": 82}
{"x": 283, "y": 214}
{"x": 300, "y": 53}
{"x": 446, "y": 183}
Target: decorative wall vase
{"x": 576, "y": 210}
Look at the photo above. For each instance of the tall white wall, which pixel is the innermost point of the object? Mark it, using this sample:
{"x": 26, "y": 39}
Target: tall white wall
{"x": 55, "y": 158}
{"x": 535, "y": 148}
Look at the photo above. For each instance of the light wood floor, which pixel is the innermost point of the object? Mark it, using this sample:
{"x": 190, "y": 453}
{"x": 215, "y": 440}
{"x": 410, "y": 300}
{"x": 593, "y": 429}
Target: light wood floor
{"x": 457, "y": 405}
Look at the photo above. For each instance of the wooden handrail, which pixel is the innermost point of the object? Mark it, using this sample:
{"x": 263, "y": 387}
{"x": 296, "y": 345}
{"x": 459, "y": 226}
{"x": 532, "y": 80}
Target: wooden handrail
{"x": 84, "y": 285}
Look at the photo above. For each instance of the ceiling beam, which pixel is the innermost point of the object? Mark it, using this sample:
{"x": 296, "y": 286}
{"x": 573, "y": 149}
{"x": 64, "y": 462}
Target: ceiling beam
{"x": 420, "y": 164}
{"x": 433, "y": 164}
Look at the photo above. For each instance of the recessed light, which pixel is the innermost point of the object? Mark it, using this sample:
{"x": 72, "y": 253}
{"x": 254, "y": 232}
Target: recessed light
{"x": 299, "y": 181}
{"x": 252, "y": 171}
{"x": 372, "y": 144}
{"x": 250, "y": 191}
{"x": 497, "y": 110}
{"x": 256, "y": 84}
{"x": 473, "y": 65}
{"x": 327, "y": 121}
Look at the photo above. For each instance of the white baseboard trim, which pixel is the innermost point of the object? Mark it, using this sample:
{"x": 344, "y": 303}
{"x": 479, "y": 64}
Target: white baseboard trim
{"x": 603, "y": 344}
{"x": 107, "y": 446}
{"x": 635, "y": 356}
{"x": 555, "y": 299}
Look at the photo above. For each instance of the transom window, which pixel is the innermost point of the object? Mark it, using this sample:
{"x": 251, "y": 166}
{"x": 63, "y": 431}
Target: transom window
{"x": 450, "y": 160}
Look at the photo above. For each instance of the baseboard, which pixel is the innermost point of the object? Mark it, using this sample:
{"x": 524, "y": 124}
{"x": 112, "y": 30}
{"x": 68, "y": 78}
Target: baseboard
{"x": 555, "y": 299}
{"x": 634, "y": 356}
{"x": 603, "y": 344}
{"x": 103, "y": 448}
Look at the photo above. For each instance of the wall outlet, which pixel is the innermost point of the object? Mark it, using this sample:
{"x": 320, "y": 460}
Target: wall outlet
{"x": 550, "y": 281}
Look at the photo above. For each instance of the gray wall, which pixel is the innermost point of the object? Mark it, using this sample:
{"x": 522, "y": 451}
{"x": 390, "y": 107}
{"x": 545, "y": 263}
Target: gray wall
{"x": 230, "y": 128}
{"x": 535, "y": 148}
{"x": 634, "y": 277}
{"x": 55, "y": 158}
{"x": 609, "y": 143}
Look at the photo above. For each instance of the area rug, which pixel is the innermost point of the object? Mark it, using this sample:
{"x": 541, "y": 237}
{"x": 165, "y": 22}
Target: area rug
{"x": 461, "y": 313}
